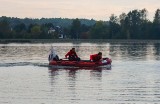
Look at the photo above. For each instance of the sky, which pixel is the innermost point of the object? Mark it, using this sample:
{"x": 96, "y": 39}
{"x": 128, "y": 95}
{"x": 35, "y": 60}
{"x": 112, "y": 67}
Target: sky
{"x": 88, "y": 9}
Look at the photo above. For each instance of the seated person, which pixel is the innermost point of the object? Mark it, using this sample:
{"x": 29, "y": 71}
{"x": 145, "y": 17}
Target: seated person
{"x": 53, "y": 56}
{"x": 96, "y": 57}
{"x": 72, "y": 55}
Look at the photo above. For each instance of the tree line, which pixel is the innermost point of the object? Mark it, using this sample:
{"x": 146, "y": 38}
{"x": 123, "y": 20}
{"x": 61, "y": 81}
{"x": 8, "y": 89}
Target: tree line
{"x": 131, "y": 25}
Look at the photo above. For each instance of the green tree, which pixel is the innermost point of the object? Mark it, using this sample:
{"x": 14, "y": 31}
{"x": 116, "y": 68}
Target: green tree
{"x": 20, "y": 27}
{"x": 145, "y": 25}
{"x": 156, "y": 25}
{"x": 99, "y": 31}
{"x": 36, "y": 31}
{"x": 124, "y": 30}
{"x": 133, "y": 24}
{"x": 84, "y": 31}
{"x": 19, "y": 30}
{"x": 146, "y": 32}
{"x": 75, "y": 28}
{"x": 5, "y": 29}
{"x": 66, "y": 32}
{"x": 114, "y": 29}
{"x": 44, "y": 28}
{"x": 157, "y": 17}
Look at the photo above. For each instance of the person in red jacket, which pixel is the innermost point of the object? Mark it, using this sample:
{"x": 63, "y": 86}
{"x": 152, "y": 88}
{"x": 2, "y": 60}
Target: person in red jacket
{"x": 72, "y": 55}
{"x": 96, "y": 57}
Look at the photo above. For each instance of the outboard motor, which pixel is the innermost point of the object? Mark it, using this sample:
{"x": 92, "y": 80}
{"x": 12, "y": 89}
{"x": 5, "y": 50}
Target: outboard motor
{"x": 107, "y": 61}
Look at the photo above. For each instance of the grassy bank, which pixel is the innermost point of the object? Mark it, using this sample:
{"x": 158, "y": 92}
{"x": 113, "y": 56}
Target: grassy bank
{"x": 5, "y": 41}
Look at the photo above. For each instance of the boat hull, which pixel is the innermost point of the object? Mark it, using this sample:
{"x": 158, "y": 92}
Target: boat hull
{"x": 81, "y": 63}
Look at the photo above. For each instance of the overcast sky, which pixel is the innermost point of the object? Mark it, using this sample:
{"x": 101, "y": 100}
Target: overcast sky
{"x": 89, "y": 9}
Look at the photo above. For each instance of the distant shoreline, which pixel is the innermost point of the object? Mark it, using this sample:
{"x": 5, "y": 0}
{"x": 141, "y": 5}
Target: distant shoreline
{"x": 6, "y": 41}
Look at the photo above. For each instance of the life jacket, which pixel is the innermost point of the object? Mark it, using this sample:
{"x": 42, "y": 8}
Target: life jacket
{"x": 71, "y": 54}
{"x": 95, "y": 57}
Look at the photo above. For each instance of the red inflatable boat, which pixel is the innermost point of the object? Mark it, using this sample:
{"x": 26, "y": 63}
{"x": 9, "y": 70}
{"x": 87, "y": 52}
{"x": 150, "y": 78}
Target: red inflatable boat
{"x": 81, "y": 63}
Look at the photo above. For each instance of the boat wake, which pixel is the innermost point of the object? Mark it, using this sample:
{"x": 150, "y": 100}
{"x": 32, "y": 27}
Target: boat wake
{"x": 24, "y": 64}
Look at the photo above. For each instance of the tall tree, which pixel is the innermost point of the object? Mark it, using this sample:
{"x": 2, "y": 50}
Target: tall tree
{"x": 157, "y": 17}
{"x": 5, "y": 29}
{"x": 75, "y": 28}
{"x": 36, "y": 31}
{"x": 143, "y": 14}
{"x": 136, "y": 18}
{"x": 134, "y": 23}
{"x": 156, "y": 25}
{"x": 145, "y": 25}
{"x": 124, "y": 22}
{"x": 114, "y": 26}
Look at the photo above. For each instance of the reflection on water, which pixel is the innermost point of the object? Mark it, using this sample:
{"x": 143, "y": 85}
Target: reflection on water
{"x": 94, "y": 72}
{"x": 76, "y": 86}
{"x": 26, "y": 78}
{"x": 135, "y": 51}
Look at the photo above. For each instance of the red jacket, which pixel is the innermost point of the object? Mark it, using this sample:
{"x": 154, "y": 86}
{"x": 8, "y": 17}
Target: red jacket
{"x": 71, "y": 53}
{"x": 95, "y": 57}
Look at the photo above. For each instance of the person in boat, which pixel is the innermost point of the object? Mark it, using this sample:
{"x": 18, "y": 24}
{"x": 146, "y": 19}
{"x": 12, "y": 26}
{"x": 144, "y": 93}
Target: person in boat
{"x": 53, "y": 56}
{"x": 96, "y": 57}
{"x": 72, "y": 55}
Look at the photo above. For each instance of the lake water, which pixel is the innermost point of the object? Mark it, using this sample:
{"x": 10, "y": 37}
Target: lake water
{"x": 134, "y": 78}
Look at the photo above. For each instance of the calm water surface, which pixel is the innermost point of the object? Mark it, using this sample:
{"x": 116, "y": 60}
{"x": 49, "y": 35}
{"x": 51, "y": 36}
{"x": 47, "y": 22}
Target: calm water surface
{"x": 134, "y": 78}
